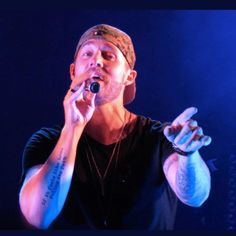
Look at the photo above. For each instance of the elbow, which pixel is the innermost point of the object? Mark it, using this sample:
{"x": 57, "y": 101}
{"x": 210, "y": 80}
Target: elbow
{"x": 36, "y": 223}
{"x": 197, "y": 200}
{"x": 40, "y": 225}
{"x": 202, "y": 199}
{"x": 32, "y": 215}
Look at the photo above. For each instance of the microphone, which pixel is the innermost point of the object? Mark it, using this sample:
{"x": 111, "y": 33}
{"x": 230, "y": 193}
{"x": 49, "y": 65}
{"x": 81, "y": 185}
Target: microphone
{"x": 94, "y": 87}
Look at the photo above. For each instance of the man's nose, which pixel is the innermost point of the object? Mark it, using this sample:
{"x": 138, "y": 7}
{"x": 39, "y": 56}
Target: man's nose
{"x": 97, "y": 60}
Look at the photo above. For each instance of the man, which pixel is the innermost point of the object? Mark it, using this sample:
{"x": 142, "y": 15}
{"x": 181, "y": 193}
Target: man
{"x": 108, "y": 168}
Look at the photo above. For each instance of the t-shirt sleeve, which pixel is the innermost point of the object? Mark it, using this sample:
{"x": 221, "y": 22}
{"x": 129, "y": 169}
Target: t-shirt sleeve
{"x": 166, "y": 147}
{"x": 38, "y": 148}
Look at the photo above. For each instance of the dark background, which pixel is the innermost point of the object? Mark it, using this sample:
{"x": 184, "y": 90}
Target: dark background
{"x": 184, "y": 58}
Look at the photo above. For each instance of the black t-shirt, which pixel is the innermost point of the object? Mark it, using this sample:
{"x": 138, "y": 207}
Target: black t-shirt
{"x": 136, "y": 192}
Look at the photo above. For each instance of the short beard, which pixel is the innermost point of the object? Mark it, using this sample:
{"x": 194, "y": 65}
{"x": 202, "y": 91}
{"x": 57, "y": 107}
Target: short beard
{"x": 108, "y": 95}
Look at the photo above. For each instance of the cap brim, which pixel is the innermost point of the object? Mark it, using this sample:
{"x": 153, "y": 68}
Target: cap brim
{"x": 129, "y": 93}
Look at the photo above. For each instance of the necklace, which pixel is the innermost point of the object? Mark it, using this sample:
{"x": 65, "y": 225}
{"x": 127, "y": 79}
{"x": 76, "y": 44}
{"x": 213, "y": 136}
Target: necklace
{"x": 101, "y": 177}
{"x": 105, "y": 209}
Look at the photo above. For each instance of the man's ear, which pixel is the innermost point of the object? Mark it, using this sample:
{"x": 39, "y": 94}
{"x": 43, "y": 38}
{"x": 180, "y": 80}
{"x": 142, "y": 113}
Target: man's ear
{"x": 131, "y": 77}
{"x": 72, "y": 71}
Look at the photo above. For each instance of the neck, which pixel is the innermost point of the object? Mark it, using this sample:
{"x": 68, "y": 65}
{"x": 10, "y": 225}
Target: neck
{"x": 107, "y": 122}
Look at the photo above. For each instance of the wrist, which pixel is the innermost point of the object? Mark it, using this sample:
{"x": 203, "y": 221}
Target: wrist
{"x": 73, "y": 129}
{"x": 181, "y": 152}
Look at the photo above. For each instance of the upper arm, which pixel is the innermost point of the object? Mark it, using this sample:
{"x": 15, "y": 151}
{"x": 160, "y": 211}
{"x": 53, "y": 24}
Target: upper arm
{"x": 36, "y": 152}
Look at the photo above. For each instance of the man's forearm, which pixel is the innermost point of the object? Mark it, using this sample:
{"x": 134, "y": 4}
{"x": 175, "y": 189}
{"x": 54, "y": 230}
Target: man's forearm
{"x": 192, "y": 183}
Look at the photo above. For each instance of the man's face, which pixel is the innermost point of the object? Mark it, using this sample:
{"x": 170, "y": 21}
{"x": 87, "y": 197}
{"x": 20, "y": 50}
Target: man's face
{"x": 103, "y": 62}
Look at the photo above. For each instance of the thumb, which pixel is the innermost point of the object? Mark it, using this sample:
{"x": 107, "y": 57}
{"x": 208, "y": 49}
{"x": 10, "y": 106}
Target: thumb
{"x": 89, "y": 98}
{"x": 169, "y": 132}
{"x": 93, "y": 99}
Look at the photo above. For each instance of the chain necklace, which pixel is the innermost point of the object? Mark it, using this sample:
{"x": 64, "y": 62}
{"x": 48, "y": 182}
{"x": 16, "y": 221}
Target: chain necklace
{"x": 116, "y": 147}
{"x": 91, "y": 160}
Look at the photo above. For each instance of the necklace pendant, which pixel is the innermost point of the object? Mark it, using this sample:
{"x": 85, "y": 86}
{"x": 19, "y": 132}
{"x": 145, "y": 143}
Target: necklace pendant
{"x": 105, "y": 223}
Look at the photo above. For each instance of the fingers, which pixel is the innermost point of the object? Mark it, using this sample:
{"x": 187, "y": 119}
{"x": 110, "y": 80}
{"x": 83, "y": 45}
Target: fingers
{"x": 189, "y": 138}
{"x": 175, "y": 133}
{"x": 196, "y": 141}
{"x": 77, "y": 80}
{"x": 186, "y": 132}
{"x": 206, "y": 140}
{"x": 170, "y": 133}
{"x": 79, "y": 93}
{"x": 89, "y": 98}
{"x": 184, "y": 116}
{"x": 73, "y": 93}
{"x": 198, "y": 136}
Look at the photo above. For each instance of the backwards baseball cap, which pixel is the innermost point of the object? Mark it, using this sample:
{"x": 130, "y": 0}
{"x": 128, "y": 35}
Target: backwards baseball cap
{"x": 122, "y": 41}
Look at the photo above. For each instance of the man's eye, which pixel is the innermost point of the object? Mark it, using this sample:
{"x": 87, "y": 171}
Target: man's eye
{"x": 109, "y": 56}
{"x": 87, "y": 54}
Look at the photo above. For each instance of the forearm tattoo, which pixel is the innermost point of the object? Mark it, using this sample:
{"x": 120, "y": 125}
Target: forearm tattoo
{"x": 186, "y": 180}
{"x": 55, "y": 178}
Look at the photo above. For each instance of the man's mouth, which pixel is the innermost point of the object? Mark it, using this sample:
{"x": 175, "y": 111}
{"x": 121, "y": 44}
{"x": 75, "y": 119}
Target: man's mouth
{"x": 97, "y": 77}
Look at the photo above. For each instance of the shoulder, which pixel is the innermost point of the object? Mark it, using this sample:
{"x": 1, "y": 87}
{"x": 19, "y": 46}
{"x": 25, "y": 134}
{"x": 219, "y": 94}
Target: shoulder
{"x": 150, "y": 125}
{"x": 49, "y": 133}
{"x": 41, "y": 143}
{"x": 42, "y": 138}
